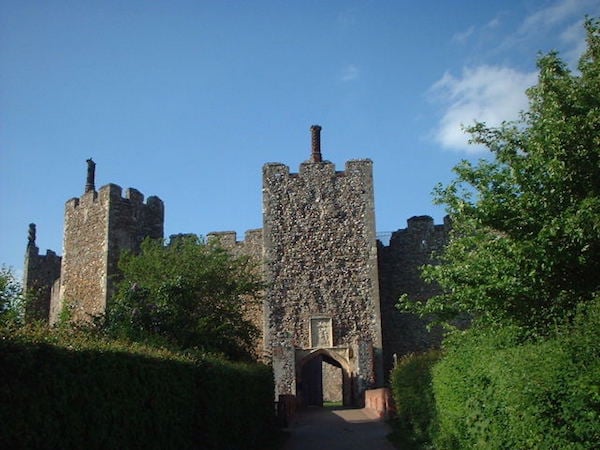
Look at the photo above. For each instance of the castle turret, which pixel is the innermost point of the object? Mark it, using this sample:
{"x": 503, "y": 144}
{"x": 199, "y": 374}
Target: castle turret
{"x": 99, "y": 226}
{"x": 40, "y": 273}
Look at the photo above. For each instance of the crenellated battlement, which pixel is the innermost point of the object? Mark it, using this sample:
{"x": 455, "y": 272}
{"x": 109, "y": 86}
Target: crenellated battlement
{"x": 251, "y": 245}
{"x": 310, "y": 169}
{"x": 225, "y": 238}
{"x": 112, "y": 192}
{"x": 421, "y": 232}
{"x": 228, "y": 238}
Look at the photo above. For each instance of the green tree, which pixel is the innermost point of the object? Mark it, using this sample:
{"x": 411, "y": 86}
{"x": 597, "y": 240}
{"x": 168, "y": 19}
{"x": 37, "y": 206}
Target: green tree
{"x": 12, "y": 301}
{"x": 187, "y": 293}
{"x": 526, "y": 225}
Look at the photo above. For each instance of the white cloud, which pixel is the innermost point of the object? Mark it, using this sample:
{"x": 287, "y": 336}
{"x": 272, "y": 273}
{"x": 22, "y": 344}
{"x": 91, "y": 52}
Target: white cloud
{"x": 487, "y": 94}
{"x": 574, "y": 38}
{"x": 349, "y": 73}
{"x": 554, "y": 14}
{"x": 495, "y": 22}
{"x": 557, "y": 26}
{"x": 564, "y": 19}
{"x": 463, "y": 36}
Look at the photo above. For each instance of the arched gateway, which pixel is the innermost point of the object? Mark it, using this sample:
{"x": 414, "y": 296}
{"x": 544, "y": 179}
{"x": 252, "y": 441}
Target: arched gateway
{"x": 322, "y": 376}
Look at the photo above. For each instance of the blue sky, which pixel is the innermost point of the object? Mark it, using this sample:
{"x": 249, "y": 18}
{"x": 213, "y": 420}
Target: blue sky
{"x": 188, "y": 99}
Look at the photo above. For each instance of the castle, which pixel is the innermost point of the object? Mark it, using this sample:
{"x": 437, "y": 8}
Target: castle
{"x": 330, "y": 326}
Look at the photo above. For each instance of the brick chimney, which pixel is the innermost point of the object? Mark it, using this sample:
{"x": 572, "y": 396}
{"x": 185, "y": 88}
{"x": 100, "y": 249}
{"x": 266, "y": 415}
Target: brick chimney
{"x": 91, "y": 174}
{"x": 315, "y": 131}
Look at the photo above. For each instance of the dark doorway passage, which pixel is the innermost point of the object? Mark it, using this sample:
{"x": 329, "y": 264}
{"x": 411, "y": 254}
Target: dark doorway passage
{"x": 312, "y": 382}
{"x": 321, "y": 380}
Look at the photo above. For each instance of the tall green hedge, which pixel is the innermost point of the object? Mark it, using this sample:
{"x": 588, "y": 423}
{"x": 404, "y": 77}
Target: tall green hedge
{"x": 495, "y": 390}
{"x": 80, "y": 392}
{"x": 411, "y": 383}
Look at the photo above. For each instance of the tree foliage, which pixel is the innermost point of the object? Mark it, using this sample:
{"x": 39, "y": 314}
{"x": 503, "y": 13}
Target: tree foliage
{"x": 494, "y": 390}
{"x": 12, "y": 301}
{"x": 187, "y": 293}
{"x": 526, "y": 239}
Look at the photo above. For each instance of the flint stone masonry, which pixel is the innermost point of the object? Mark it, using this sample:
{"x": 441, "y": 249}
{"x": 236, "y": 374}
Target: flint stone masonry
{"x": 98, "y": 227}
{"x": 332, "y": 383}
{"x": 321, "y": 258}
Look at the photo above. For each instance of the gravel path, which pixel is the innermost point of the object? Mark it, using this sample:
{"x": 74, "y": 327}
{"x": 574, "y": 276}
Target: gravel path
{"x": 338, "y": 429}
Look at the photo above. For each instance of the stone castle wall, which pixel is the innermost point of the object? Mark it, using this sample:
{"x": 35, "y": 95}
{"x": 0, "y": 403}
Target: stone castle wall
{"x": 98, "y": 226}
{"x": 252, "y": 247}
{"x": 130, "y": 221}
{"x": 83, "y": 273}
{"x": 399, "y": 273}
{"x": 40, "y": 273}
{"x": 321, "y": 260}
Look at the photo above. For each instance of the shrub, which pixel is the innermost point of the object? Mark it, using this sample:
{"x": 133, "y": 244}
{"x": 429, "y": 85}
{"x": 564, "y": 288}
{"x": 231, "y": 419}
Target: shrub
{"x": 413, "y": 397}
{"x": 496, "y": 390}
{"x": 75, "y": 390}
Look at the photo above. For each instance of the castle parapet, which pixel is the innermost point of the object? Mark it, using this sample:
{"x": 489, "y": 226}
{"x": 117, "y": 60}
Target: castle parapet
{"x": 422, "y": 232}
{"x": 309, "y": 169}
{"x": 420, "y": 223}
{"x": 359, "y": 167}
{"x": 275, "y": 170}
{"x": 226, "y": 238}
{"x": 319, "y": 169}
{"x": 134, "y": 195}
{"x": 114, "y": 192}
{"x": 250, "y": 246}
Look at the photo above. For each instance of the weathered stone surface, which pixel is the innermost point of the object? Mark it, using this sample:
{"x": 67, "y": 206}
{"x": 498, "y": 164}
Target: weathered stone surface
{"x": 252, "y": 247}
{"x": 98, "y": 227}
{"x": 331, "y": 287}
{"x": 39, "y": 274}
{"x": 321, "y": 259}
{"x": 399, "y": 270}
{"x": 332, "y": 383}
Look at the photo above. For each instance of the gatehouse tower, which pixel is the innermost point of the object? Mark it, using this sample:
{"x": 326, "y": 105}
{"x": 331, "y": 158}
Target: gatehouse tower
{"x": 322, "y": 313}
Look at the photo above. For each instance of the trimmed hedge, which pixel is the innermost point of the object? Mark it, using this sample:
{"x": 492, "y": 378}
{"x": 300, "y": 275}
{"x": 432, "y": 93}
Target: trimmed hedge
{"x": 495, "y": 390}
{"x": 413, "y": 396}
{"x": 82, "y": 392}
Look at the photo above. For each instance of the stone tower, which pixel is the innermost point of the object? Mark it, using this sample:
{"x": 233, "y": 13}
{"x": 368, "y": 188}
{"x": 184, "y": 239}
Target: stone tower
{"x": 39, "y": 275}
{"x": 322, "y": 313}
{"x": 99, "y": 225}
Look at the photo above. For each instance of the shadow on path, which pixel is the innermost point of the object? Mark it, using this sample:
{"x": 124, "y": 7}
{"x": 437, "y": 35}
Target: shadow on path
{"x": 338, "y": 429}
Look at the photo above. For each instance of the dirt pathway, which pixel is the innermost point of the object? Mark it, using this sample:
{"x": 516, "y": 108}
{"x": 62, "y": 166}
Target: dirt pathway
{"x": 338, "y": 429}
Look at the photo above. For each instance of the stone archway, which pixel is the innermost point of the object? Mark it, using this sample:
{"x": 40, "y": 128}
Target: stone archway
{"x": 323, "y": 374}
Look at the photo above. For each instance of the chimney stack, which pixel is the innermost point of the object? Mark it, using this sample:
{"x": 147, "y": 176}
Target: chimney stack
{"x": 91, "y": 174}
{"x": 316, "y": 143}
